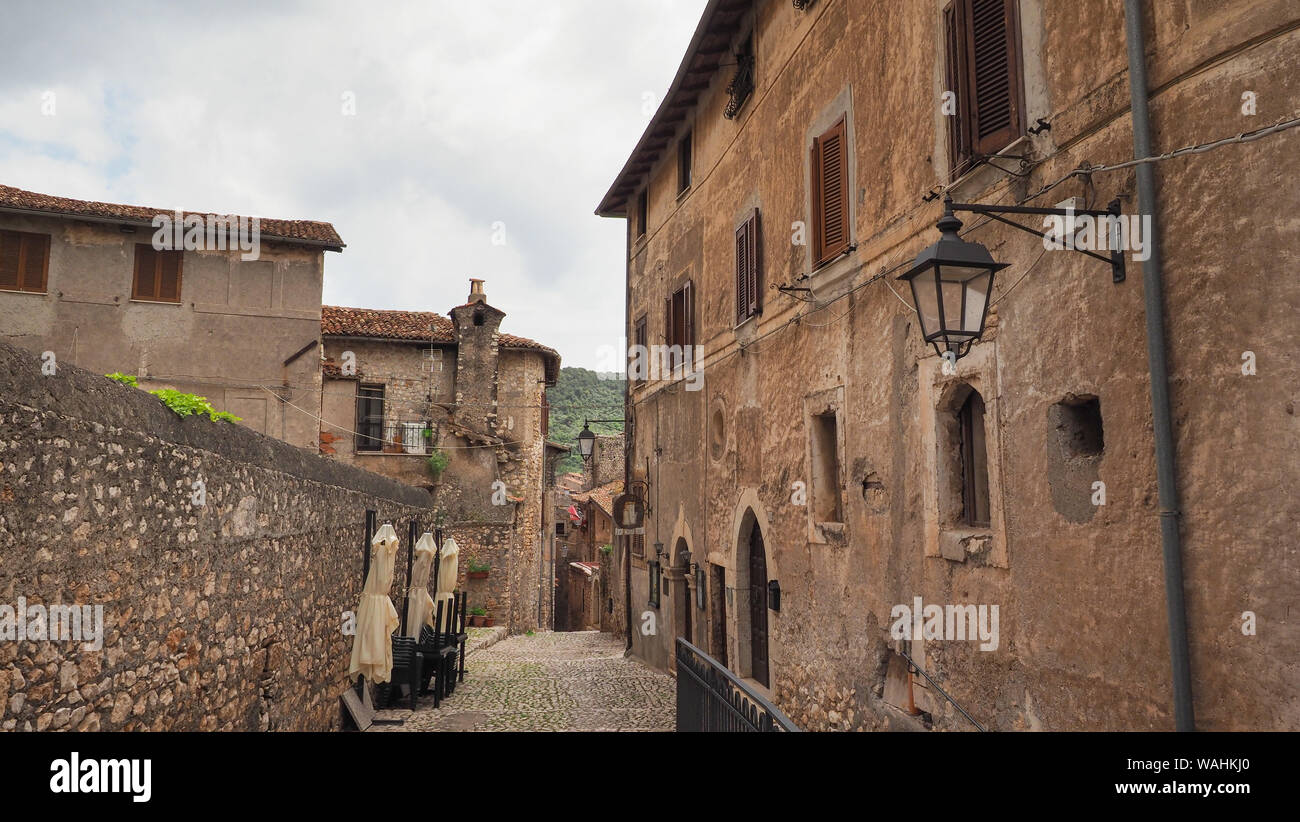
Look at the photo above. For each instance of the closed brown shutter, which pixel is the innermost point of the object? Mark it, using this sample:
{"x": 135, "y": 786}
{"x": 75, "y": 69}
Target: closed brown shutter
{"x": 11, "y": 252}
{"x": 36, "y": 261}
{"x": 831, "y": 194}
{"x": 748, "y": 263}
{"x": 144, "y": 281}
{"x": 169, "y": 276}
{"x": 24, "y": 260}
{"x": 742, "y": 272}
{"x": 958, "y": 135}
{"x": 688, "y": 315}
{"x": 992, "y": 73}
{"x": 157, "y": 274}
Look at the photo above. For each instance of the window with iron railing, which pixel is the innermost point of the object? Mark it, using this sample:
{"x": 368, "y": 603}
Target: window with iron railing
{"x": 742, "y": 85}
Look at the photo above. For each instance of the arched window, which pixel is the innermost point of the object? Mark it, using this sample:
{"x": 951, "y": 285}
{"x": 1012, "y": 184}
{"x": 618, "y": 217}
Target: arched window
{"x": 974, "y": 462}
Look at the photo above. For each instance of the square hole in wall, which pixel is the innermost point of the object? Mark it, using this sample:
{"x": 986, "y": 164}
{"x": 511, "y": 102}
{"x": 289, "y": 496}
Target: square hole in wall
{"x": 1076, "y": 426}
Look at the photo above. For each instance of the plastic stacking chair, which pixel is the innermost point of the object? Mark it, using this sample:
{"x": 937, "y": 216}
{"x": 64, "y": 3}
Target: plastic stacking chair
{"x": 408, "y": 662}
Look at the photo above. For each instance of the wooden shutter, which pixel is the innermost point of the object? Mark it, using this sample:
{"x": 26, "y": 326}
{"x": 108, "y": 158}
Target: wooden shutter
{"x": 831, "y": 194}
{"x": 688, "y": 315}
{"x": 24, "y": 260}
{"x": 157, "y": 274}
{"x": 145, "y": 281}
{"x": 742, "y": 272}
{"x": 644, "y": 352}
{"x": 169, "y": 276}
{"x": 992, "y": 69}
{"x": 668, "y": 320}
{"x": 35, "y": 264}
{"x": 955, "y": 74}
{"x": 11, "y": 252}
{"x": 748, "y": 263}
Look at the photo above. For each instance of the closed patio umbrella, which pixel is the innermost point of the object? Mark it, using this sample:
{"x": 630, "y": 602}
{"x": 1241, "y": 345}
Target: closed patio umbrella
{"x": 448, "y": 568}
{"x": 419, "y": 605}
{"x": 372, "y": 647}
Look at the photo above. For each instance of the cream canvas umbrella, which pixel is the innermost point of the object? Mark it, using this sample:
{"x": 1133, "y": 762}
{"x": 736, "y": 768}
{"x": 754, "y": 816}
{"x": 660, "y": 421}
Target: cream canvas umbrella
{"x": 372, "y": 647}
{"x": 419, "y": 605}
{"x": 448, "y": 568}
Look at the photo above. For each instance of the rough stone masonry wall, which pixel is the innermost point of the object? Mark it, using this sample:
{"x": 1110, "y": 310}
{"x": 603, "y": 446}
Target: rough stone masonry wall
{"x": 222, "y": 616}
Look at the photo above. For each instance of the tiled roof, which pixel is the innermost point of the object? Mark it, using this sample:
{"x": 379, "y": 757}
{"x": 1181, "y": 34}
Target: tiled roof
{"x": 393, "y": 325}
{"x": 423, "y": 326}
{"x": 603, "y": 495}
{"x": 307, "y": 232}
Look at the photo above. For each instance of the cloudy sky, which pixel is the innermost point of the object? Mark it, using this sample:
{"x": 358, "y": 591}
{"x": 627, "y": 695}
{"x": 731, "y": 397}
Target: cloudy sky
{"x": 466, "y": 115}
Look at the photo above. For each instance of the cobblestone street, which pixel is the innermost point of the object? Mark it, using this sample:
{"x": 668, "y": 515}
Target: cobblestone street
{"x": 566, "y": 681}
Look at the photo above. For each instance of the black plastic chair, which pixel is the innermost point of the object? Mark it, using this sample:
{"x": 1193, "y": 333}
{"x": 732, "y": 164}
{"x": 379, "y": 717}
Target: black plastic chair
{"x": 440, "y": 659}
{"x": 408, "y": 662}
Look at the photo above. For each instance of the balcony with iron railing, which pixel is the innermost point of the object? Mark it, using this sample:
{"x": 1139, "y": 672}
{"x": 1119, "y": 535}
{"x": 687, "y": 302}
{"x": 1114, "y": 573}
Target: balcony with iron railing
{"x": 395, "y": 435}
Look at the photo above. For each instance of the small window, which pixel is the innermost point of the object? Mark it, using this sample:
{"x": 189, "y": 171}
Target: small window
{"x": 983, "y": 70}
{"x": 559, "y": 528}
{"x": 654, "y": 568}
{"x": 974, "y": 462}
{"x": 642, "y": 212}
{"x": 748, "y": 268}
{"x": 827, "y": 505}
{"x": 157, "y": 274}
{"x": 684, "y": 163}
{"x": 641, "y": 359}
{"x": 830, "y": 194}
{"x": 370, "y": 418}
{"x": 679, "y": 325}
{"x": 24, "y": 261}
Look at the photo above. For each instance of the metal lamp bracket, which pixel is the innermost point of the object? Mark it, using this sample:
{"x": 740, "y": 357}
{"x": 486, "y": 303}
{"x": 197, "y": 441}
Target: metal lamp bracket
{"x": 995, "y": 212}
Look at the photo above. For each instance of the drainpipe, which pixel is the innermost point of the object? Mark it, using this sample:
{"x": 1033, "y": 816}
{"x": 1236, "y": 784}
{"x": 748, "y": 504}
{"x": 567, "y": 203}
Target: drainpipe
{"x": 1153, "y": 298}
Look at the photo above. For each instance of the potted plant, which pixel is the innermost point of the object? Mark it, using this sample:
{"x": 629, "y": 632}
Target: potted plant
{"x": 488, "y": 621}
{"x": 437, "y": 463}
{"x": 477, "y": 615}
{"x": 478, "y": 570}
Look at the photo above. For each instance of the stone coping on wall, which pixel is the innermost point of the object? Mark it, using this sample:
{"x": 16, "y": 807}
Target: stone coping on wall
{"x": 76, "y": 393}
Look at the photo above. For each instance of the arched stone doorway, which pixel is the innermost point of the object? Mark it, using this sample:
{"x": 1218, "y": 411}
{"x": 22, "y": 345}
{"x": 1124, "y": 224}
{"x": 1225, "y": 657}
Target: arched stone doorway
{"x": 681, "y": 595}
{"x": 751, "y": 601}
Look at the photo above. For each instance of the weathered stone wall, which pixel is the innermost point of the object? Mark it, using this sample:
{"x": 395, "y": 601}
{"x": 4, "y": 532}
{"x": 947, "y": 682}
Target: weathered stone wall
{"x": 225, "y": 615}
{"x": 1083, "y": 640}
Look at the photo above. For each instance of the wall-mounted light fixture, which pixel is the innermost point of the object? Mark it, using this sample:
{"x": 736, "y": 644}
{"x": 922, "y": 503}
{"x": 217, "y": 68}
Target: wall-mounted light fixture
{"x": 587, "y": 438}
{"x": 774, "y": 595}
{"x": 952, "y": 280}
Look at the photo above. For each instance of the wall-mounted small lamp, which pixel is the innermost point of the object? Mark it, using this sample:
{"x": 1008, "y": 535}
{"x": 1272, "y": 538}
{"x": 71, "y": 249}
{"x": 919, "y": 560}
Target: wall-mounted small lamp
{"x": 774, "y": 595}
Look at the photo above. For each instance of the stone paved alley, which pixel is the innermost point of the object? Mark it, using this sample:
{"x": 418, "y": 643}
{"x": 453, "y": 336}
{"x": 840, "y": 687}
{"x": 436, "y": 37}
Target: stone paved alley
{"x": 566, "y": 681}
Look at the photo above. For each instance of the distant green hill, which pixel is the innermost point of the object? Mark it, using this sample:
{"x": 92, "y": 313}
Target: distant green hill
{"x": 581, "y": 394}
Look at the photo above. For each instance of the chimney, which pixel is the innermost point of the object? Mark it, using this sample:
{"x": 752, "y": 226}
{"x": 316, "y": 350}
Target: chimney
{"x": 476, "y": 294}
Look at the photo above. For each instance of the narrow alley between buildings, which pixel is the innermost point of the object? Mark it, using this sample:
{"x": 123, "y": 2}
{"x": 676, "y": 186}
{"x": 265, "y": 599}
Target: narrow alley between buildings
{"x": 552, "y": 681}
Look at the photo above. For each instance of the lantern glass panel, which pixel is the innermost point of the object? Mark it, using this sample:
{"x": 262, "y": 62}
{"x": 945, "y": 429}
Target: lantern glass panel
{"x": 951, "y": 291}
{"x": 977, "y": 298}
{"x": 926, "y": 297}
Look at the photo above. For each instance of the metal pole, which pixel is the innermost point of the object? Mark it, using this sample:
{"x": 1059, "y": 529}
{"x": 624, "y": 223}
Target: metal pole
{"x": 412, "y": 534}
{"x": 365, "y": 548}
{"x": 1153, "y": 297}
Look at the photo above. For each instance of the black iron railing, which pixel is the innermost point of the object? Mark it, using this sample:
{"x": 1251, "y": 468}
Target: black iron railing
{"x": 711, "y": 698}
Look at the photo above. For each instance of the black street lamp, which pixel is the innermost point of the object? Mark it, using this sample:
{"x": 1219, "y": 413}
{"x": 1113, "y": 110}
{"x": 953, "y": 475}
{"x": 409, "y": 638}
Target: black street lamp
{"x": 587, "y": 438}
{"x": 952, "y": 280}
{"x": 951, "y": 283}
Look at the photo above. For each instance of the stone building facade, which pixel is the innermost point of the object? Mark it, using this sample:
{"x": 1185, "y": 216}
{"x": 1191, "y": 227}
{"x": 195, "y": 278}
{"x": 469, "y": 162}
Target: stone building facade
{"x": 245, "y": 333}
{"x": 816, "y": 442}
{"x": 401, "y": 387}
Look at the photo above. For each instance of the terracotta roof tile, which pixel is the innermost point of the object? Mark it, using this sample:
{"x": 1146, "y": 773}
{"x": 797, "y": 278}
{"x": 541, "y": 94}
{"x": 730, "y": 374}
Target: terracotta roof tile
{"x": 395, "y": 325}
{"x": 340, "y": 321}
{"x": 303, "y": 231}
